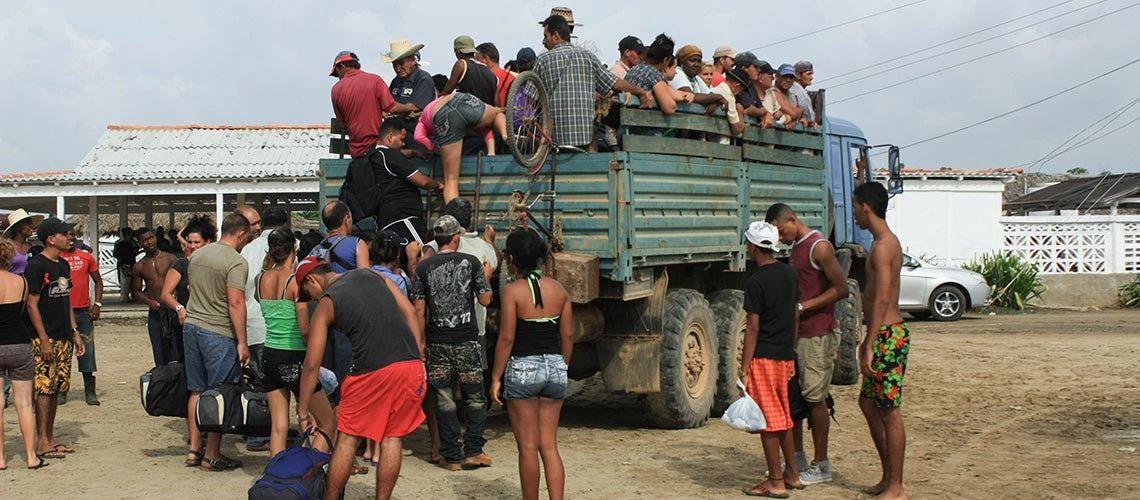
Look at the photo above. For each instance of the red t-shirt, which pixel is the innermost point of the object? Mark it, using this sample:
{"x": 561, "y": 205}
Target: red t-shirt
{"x": 82, "y": 265}
{"x": 359, "y": 100}
{"x": 505, "y": 80}
{"x": 718, "y": 78}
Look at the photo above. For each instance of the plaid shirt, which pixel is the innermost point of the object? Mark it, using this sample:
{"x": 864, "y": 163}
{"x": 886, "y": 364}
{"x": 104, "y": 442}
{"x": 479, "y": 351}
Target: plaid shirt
{"x": 572, "y": 76}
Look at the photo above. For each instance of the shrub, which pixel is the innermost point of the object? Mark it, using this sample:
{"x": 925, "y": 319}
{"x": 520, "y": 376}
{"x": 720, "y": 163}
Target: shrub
{"x": 1130, "y": 293}
{"x": 1013, "y": 281}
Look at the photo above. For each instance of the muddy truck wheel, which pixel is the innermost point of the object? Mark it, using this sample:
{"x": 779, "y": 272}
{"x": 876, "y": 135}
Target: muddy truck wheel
{"x": 731, "y": 320}
{"x": 688, "y": 362}
{"x": 849, "y": 312}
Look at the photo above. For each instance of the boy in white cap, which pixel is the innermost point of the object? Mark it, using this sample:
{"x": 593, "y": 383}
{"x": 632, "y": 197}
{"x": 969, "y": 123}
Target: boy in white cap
{"x": 770, "y": 297}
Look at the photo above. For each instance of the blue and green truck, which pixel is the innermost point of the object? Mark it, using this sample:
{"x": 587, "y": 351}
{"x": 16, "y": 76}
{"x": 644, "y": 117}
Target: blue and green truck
{"x": 649, "y": 243}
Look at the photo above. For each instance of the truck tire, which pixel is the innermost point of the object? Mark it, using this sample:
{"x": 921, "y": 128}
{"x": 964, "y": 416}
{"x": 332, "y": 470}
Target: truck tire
{"x": 849, "y": 312}
{"x": 688, "y": 362}
{"x": 731, "y": 320}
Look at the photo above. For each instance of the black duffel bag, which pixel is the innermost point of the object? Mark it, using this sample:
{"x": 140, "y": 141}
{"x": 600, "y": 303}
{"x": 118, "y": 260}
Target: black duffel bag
{"x": 163, "y": 391}
{"x": 230, "y": 408}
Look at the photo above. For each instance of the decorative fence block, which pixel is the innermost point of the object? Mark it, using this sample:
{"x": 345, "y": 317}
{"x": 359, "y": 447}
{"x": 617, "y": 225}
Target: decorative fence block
{"x": 1075, "y": 244}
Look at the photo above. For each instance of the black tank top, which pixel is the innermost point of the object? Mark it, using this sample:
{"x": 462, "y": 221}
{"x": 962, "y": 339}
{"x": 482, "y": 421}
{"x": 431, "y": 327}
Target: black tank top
{"x": 534, "y": 337}
{"x": 367, "y": 313}
{"x": 14, "y": 324}
{"x": 480, "y": 82}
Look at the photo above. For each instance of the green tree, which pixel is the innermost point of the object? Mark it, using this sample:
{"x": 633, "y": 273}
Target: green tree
{"x": 1078, "y": 171}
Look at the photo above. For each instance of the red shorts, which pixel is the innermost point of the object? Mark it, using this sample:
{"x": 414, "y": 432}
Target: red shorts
{"x": 768, "y": 385}
{"x": 383, "y": 403}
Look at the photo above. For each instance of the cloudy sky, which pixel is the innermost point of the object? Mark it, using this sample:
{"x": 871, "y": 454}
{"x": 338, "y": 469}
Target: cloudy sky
{"x": 70, "y": 68}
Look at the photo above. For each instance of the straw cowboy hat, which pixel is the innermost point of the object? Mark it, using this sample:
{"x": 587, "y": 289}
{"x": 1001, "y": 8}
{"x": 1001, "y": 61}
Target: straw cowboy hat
{"x": 566, "y": 13}
{"x": 20, "y": 215}
{"x": 400, "y": 49}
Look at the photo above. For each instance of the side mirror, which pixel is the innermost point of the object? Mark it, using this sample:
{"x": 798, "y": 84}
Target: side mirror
{"x": 894, "y": 168}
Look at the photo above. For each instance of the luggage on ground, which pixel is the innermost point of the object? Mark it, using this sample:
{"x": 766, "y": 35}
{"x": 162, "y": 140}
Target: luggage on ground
{"x": 163, "y": 391}
{"x": 295, "y": 473}
{"x": 233, "y": 409}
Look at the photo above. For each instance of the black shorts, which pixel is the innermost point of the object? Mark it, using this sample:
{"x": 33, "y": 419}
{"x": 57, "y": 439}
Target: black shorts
{"x": 411, "y": 227}
{"x": 282, "y": 370}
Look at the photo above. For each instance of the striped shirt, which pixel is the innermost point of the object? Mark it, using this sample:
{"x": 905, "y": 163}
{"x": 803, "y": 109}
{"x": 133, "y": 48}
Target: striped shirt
{"x": 572, "y": 75}
{"x": 800, "y": 98}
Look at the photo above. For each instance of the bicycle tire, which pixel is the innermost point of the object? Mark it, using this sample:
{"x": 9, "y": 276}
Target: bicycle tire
{"x": 527, "y": 139}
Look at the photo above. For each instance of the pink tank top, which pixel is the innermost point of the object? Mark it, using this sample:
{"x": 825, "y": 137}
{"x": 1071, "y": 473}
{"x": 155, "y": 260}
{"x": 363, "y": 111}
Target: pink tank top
{"x": 813, "y": 282}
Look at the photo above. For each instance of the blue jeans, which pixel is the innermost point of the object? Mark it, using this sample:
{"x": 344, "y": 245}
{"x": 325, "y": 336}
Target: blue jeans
{"x": 211, "y": 358}
{"x": 542, "y": 375}
{"x": 87, "y": 333}
{"x": 449, "y": 366}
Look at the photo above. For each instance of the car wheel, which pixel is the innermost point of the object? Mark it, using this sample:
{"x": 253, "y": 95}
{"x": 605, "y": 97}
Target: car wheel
{"x": 947, "y": 303}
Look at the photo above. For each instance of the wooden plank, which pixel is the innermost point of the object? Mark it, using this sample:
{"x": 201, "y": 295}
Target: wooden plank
{"x": 765, "y": 154}
{"x": 781, "y": 137}
{"x": 633, "y": 117}
{"x": 337, "y": 128}
{"x": 338, "y": 146}
{"x": 675, "y": 146}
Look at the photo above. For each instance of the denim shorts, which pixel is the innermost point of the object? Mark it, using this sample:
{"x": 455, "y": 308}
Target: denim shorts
{"x": 211, "y": 358}
{"x": 458, "y": 115}
{"x": 542, "y": 375}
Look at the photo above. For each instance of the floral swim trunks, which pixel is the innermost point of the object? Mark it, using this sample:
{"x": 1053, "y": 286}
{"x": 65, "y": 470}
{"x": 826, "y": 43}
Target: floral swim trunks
{"x": 888, "y": 361}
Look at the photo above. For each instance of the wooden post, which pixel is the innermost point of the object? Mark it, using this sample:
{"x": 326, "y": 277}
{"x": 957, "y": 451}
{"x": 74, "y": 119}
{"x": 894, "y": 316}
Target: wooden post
{"x": 124, "y": 209}
{"x": 59, "y": 208}
{"x": 148, "y": 217}
{"x": 219, "y": 212}
{"x": 93, "y": 226}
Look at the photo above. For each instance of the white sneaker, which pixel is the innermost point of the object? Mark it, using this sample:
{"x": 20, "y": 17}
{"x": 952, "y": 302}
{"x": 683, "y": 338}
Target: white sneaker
{"x": 801, "y": 461}
{"x": 817, "y": 472}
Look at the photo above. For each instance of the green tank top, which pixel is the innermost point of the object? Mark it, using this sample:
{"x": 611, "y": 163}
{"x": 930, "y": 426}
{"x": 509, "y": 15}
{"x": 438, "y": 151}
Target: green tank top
{"x": 282, "y": 332}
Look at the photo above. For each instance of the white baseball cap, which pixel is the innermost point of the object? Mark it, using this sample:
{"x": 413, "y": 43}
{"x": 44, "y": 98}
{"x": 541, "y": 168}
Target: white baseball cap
{"x": 763, "y": 235}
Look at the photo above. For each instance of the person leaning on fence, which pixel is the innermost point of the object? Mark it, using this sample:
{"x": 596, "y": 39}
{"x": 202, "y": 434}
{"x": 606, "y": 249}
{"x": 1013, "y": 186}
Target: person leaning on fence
{"x": 631, "y": 51}
{"x": 689, "y": 64}
{"x": 572, "y": 76}
{"x": 655, "y": 73}
{"x": 768, "y": 359}
{"x": 736, "y": 83}
{"x": 805, "y": 75}
{"x": 724, "y": 58}
{"x": 444, "y": 123}
{"x": 531, "y": 361}
{"x": 795, "y": 106}
{"x": 751, "y": 99}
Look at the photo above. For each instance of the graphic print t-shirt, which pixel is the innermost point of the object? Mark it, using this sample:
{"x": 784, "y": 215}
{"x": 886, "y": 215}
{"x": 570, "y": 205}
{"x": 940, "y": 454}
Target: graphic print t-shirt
{"x": 449, "y": 283}
{"x": 51, "y": 280}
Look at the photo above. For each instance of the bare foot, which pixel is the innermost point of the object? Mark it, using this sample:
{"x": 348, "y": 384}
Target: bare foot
{"x": 895, "y": 493}
{"x": 877, "y": 489}
{"x": 4, "y": 463}
{"x": 793, "y": 481}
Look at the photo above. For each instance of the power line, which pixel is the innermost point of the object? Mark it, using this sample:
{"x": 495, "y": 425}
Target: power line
{"x": 840, "y": 25}
{"x": 940, "y": 54}
{"x": 1092, "y": 139}
{"x": 1103, "y": 121}
{"x": 963, "y": 63}
{"x": 1021, "y": 108}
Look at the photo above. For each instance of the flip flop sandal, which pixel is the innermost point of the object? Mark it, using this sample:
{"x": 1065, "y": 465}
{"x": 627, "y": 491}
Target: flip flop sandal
{"x": 762, "y": 491}
{"x": 64, "y": 450}
{"x": 359, "y": 469}
{"x": 43, "y": 463}
{"x": 196, "y": 461}
{"x": 222, "y": 464}
{"x": 52, "y": 454}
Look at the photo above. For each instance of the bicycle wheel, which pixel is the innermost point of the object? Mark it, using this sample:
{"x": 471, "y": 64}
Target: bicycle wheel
{"x": 528, "y": 121}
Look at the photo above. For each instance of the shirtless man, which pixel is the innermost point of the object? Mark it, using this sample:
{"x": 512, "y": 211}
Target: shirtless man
{"x": 151, "y": 272}
{"x": 883, "y": 354}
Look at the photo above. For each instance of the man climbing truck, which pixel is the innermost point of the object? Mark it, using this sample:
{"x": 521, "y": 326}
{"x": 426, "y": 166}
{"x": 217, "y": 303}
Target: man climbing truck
{"x": 647, "y": 241}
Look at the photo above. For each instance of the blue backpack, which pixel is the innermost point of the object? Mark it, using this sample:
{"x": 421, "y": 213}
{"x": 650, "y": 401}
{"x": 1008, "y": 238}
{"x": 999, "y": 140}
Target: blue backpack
{"x": 296, "y": 473}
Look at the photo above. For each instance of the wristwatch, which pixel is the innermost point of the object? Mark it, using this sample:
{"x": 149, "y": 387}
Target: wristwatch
{"x": 179, "y": 307}
{"x": 98, "y": 304}
{"x": 800, "y": 306}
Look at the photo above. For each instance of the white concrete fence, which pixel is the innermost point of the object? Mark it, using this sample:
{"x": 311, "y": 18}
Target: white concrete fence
{"x": 1090, "y": 244}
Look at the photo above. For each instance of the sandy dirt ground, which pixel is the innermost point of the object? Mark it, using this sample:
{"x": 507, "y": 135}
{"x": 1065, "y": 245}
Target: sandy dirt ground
{"x": 1039, "y": 405}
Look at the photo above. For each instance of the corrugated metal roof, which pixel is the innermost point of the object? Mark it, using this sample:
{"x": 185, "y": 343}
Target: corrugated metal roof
{"x": 996, "y": 173}
{"x": 1082, "y": 193}
{"x": 130, "y": 153}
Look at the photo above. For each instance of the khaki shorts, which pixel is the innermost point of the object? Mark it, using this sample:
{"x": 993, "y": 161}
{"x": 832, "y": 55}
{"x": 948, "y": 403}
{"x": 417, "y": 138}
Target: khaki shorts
{"x": 816, "y": 356}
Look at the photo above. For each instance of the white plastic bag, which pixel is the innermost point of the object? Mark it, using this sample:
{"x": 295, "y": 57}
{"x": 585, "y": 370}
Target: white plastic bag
{"x": 744, "y": 414}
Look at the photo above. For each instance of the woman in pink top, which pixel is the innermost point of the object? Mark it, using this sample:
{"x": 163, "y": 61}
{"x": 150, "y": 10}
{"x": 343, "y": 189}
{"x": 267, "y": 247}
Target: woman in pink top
{"x": 443, "y": 124}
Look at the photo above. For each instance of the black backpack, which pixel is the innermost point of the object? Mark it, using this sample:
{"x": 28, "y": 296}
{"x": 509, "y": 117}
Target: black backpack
{"x": 359, "y": 190}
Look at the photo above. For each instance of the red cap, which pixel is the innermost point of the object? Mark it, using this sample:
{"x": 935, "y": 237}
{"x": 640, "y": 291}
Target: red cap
{"x": 343, "y": 56}
{"x": 302, "y": 271}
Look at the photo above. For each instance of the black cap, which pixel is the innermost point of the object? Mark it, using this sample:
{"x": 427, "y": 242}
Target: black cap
{"x": 744, "y": 59}
{"x": 52, "y": 226}
{"x": 631, "y": 43}
{"x": 739, "y": 75}
{"x": 764, "y": 67}
{"x": 526, "y": 54}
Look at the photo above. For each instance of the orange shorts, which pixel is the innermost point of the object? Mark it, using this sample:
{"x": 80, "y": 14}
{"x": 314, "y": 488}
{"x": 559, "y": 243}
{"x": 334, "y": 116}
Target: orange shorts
{"x": 383, "y": 403}
{"x": 768, "y": 385}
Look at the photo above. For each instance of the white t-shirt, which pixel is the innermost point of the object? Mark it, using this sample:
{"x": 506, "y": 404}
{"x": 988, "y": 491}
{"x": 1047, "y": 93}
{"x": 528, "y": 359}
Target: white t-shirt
{"x": 730, "y": 108}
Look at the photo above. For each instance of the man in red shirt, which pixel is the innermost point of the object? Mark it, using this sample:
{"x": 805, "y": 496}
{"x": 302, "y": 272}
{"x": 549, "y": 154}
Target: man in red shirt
{"x": 84, "y": 270}
{"x": 821, "y": 284}
{"x": 488, "y": 54}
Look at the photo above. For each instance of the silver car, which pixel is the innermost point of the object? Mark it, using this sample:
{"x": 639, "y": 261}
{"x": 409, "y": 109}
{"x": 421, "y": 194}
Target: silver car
{"x": 942, "y": 293}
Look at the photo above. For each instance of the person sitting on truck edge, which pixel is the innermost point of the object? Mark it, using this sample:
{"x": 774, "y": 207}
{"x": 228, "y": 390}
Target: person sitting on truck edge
{"x": 531, "y": 361}
{"x": 804, "y": 76}
{"x": 751, "y": 99}
{"x": 446, "y": 120}
{"x": 769, "y": 354}
{"x": 412, "y": 85}
{"x": 487, "y": 54}
{"x": 689, "y": 64}
{"x": 736, "y": 83}
{"x": 655, "y": 73}
{"x": 572, "y": 75}
{"x": 724, "y": 59}
{"x": 631, "y": 51}
{"x": 883, "y": 353}
{"x": 468, "y": 75}
{"x": 795, "y": 107}
{"x": 445, "y": 289}
{"x": 821, "y": 284}
{"x": 401, "y": 207}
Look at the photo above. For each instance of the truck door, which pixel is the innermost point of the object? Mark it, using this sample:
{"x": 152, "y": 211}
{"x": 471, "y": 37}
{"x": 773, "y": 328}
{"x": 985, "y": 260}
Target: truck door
{"x": 853, "y": 149}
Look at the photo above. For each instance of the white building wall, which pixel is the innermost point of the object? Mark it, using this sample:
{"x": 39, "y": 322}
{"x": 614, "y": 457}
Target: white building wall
{"x": 946, "y": 220}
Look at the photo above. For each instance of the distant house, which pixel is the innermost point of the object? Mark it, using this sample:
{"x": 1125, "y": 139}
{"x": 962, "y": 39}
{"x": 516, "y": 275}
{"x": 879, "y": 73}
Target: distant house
{"x": 163, "y": 170}
{"x": 949, "y": 217}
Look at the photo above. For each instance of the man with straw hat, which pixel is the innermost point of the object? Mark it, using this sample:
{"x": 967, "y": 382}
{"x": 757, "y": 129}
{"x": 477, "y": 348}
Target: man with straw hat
{"x": 412, "y": 84}
{"x": 566, "y": 14}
